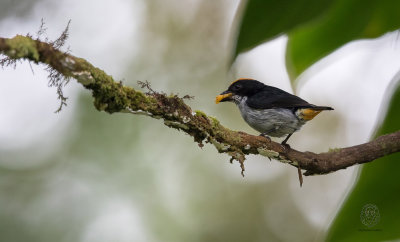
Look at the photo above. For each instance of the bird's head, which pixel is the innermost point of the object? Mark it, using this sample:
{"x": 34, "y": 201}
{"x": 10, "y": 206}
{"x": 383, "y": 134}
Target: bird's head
{"x": 238, "y": 89}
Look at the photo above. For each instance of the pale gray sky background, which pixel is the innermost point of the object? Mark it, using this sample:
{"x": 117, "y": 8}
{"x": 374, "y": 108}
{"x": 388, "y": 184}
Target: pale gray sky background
{"x": 184, "y": 48}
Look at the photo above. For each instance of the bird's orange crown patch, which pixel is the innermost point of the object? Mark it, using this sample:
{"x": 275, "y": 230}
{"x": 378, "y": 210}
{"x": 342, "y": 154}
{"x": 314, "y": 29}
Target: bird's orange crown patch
{"x": 241, "y": 79}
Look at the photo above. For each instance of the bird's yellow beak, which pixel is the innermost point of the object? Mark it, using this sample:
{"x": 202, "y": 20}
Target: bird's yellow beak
{"x": 225, "y": 96}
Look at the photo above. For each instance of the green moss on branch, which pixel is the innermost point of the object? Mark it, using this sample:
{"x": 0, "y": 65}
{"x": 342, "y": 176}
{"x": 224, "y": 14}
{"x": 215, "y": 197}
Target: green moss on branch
{"x": 22, "y": 47}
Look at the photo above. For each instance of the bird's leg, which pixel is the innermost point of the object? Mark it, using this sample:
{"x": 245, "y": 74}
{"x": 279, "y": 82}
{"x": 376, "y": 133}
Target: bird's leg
{"x": 286, "y": 146}
{"x": 286, "y": 139}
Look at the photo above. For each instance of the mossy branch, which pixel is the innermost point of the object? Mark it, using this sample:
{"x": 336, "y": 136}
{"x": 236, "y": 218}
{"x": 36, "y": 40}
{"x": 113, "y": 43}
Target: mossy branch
{"x": 111, "y": 96}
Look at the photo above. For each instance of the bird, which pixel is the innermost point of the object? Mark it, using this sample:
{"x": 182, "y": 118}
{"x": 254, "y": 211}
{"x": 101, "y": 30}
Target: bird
{"x": 269, "y": 110}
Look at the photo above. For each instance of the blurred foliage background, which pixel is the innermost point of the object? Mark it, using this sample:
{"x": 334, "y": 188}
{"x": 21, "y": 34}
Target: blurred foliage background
{"x": 82, "y": 175}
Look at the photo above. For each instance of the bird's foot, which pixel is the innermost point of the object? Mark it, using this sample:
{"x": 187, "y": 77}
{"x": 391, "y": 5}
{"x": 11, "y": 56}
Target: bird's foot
{"x": 266, "y": 136}
{"x": 285, "y": 146}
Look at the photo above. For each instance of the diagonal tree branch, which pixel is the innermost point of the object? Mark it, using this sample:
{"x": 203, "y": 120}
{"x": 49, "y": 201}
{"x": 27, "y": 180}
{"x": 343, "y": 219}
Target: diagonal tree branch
{"x": 111, "y": 96}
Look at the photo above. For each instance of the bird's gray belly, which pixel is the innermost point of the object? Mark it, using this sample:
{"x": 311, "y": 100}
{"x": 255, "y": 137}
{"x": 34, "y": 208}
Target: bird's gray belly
{"x": 273, "y": 122}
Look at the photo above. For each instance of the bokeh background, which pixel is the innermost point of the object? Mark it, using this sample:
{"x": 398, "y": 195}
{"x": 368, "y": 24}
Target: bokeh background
{"x": 84, "y": 175}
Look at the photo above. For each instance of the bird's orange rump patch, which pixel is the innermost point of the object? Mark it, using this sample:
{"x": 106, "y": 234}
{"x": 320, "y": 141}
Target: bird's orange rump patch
{"x": 308, "y": 113}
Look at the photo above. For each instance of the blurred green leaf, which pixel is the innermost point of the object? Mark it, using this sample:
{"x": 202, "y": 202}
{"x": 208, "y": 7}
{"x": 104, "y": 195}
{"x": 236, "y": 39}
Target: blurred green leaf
{"x": 378, "y": 184}
{"x": 347, "y": 20}
{"x": 265, "y": 19}
{"x": 315, "y": 28}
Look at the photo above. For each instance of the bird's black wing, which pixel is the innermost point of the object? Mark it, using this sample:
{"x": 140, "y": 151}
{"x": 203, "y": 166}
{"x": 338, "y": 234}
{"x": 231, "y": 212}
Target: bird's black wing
{"x": 272, "y": 97}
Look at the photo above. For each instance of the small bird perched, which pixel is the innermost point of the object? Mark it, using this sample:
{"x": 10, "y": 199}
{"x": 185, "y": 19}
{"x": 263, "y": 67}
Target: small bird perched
{"x": 269, "y": 110}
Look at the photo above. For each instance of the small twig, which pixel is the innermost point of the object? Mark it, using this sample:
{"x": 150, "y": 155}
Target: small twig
{"x": 30, "y": 65}
{"x": 188, "y": 97}
{"x": 300, "y": 176}
{"x": 60, "y": 41}
{"x": 146, "y": 84}
{"x": 42, "y": 29}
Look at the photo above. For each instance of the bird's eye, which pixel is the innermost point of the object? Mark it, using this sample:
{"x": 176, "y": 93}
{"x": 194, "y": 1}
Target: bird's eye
{"x": 237, "y": 87}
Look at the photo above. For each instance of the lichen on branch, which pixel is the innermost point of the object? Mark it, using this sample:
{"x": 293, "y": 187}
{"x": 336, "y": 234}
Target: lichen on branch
{"x": 112, "y": 96}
